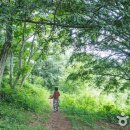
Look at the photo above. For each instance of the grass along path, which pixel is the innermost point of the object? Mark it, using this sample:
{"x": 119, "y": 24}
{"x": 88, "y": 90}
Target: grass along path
{"x": 77, "y": 124}
{"x": 13, "y": 118}
{"x": 58, "y": 121}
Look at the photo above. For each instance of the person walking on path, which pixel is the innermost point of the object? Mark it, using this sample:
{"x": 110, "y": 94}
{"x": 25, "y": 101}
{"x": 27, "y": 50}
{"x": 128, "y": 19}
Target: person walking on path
{"x": 55, "y": 98}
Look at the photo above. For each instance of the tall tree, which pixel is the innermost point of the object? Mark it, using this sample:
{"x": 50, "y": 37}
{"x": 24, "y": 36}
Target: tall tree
{"x": 103, "y": 24}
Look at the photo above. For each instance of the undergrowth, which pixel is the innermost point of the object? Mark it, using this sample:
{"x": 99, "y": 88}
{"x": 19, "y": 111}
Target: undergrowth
{"x": 88, "y": 110}
{"x": 24, "y": 108}
{"x": 14, "y": 118}
{"x": 31, "y": 97}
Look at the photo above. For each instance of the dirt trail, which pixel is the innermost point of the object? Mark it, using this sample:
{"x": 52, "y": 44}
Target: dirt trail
{"x": 58, "y": 122}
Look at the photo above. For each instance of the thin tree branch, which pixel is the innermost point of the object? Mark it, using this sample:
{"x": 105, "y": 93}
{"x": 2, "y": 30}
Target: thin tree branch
{"x": 44, "y": 22}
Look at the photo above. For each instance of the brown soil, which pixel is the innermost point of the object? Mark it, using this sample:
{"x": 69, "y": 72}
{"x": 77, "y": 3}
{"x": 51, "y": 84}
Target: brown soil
{"x": 58, "y": 122}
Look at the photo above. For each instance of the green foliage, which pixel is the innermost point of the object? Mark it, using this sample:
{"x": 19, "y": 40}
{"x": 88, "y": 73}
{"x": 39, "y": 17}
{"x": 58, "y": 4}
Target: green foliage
{"x": 71, "y": 86}
{"x": 39, "y": 81}
{"x": 49, "y": 70}
{"x": 42, "y": 30}
{"x": 85, "y": 106}
{"x": 31, "y": 97}
{"x": 25, "y": 69}
{"x": 106, "y": 73}
{"x": 89, "y": 110}
{"x": 14, "y": 117}
{"x": 5, "y": 81}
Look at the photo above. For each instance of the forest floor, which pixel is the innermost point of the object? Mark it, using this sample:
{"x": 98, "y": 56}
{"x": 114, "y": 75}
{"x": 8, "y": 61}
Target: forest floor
{"x": 60, "y": 121}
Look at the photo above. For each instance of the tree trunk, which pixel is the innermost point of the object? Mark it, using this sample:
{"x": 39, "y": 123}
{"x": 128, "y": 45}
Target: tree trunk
{"x": 28, "y": 61}
{"x": 6, "y": 49}
{"x": 11, "y": 69}
{"x": 24, "y": 78}
{"x": 20, "y": 56}
{"x": 17, "y": 78}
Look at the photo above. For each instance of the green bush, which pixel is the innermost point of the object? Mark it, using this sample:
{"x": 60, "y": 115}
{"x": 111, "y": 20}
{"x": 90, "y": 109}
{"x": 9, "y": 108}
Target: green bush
{"x": 37, "y": 80}
{"x": 33, "y": 97}
{"x": 89, "y": 109}
{"x": 13, "y": 118}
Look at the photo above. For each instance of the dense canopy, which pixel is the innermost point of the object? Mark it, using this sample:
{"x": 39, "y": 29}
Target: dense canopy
{"x": 32, "y": 30}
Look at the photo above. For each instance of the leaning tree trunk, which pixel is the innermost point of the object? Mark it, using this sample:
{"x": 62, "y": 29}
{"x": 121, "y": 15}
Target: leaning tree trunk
{"x": 6, "y": 49}
{"x": 20, "y": 56}
{"x": 11, "y": 69}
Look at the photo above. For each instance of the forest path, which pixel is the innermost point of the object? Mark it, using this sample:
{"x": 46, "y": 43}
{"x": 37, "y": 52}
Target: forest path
{"x": 58, "y": 121}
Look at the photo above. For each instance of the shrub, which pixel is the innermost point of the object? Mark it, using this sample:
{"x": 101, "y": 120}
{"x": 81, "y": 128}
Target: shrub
{"x": 33, "y": 97}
